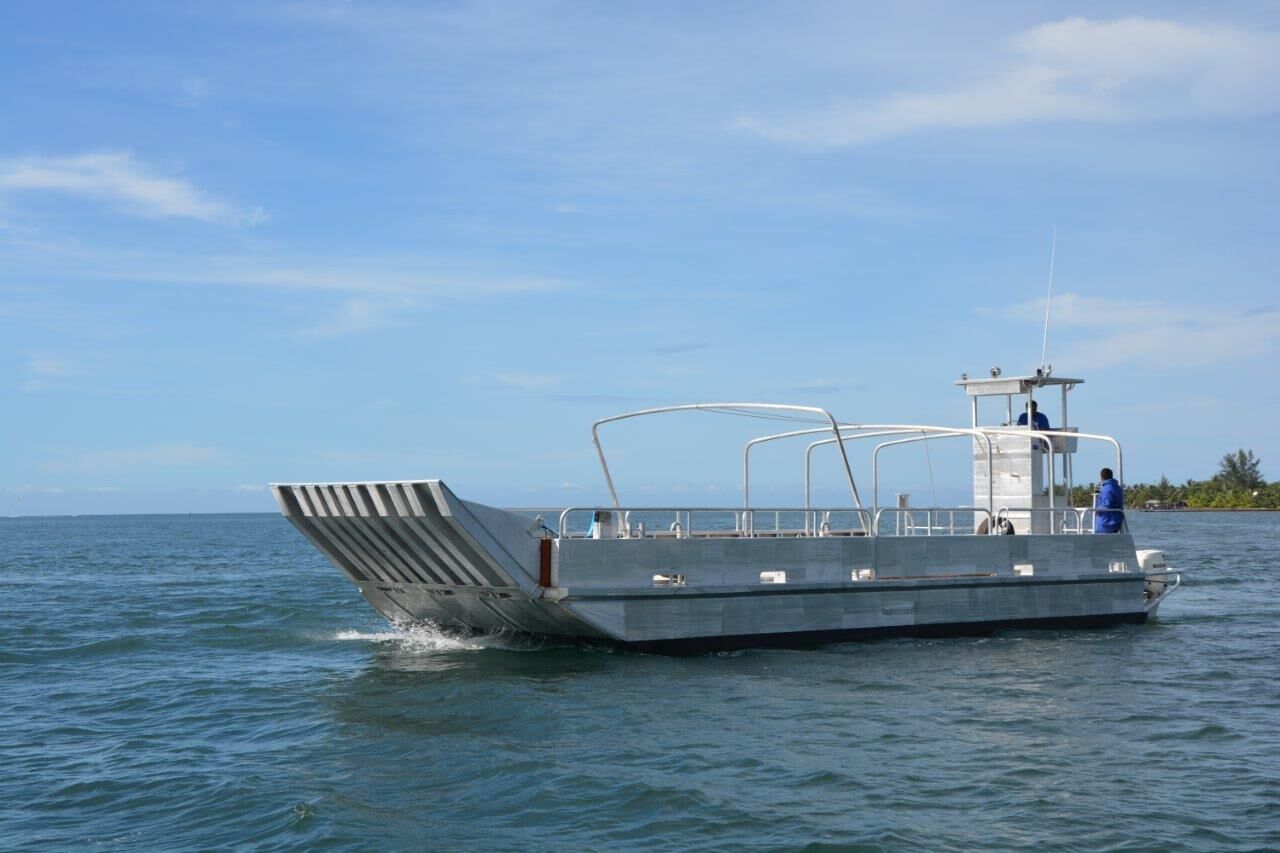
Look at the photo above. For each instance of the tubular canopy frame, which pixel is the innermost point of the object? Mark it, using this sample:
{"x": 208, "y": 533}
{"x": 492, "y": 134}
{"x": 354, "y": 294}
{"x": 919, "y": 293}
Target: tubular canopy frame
{"x": 876, "y": 430}
{"x": 875, "y": 461}
{"x": 721, "y": 408}
{"x": 1068, "y": 434}
{"x": 926, "y": 432}
{"x": 844, "y": 432}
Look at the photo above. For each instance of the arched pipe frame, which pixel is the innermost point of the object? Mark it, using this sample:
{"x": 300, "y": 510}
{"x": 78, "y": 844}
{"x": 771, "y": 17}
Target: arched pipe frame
{"x": 875, "y": 462}
{"x": 842, "y": 433}
{"x": 720, "y": 408}
{"x": 925, "y": 434}
{"x": 983, "y": 434}
{"x": 859, "y": 431}
{"x": 1067, "y": 434}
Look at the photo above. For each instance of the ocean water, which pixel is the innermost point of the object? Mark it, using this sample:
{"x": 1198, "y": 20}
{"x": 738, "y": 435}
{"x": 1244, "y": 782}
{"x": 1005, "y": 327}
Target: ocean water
{"x": 210, "y": 681}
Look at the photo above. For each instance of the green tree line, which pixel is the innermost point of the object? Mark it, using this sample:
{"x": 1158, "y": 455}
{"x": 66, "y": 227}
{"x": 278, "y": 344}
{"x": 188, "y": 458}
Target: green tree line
{"x": 1239, "y": 484}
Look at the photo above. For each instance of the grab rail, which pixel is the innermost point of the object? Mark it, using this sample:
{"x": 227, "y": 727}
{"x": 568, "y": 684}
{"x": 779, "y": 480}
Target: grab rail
{"x": 930, "y": 512}
{"x": 817, "y": 522}
{"x": 1065, "y": 512}
{"x": 898, "y": 429}
{"x": 825, "y": 417}
{"x": 743, "y": 520}
{"x": 1084, "y": 511}
{"x": 1068, "y": 434}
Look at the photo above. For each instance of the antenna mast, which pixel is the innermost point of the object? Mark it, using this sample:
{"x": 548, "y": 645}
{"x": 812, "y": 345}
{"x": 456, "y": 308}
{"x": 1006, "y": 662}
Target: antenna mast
{"x": 1048, "y": 300}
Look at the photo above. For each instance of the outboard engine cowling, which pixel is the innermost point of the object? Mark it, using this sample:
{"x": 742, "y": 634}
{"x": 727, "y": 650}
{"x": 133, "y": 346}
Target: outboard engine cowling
{"x": 1152, "y": 560}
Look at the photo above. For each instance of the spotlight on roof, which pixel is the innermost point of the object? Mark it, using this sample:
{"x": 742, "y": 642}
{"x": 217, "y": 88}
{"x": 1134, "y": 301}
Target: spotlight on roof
{"x": 995, "y": 373}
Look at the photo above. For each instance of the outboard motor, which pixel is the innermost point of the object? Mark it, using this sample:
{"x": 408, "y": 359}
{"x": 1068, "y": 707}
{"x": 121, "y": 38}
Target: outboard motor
{"x": 1151, "y": 560}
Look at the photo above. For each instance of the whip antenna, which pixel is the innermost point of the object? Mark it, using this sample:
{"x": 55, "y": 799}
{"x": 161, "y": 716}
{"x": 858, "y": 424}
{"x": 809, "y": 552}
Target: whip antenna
{"x": 1048, "y": 300}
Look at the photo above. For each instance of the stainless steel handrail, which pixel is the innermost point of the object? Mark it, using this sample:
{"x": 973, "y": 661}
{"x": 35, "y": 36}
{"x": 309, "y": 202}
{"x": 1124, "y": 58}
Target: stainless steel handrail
{"x": 815, "y": 410}
{"x": 1086, "y": 510}
{"x": 1169, "y": 585}
{"x": 1040, "y": 435}
{"x": 744, "y": 519}
{"x": 1079, "y": 512}
{"x": 898, "y": 429}
{"x": 875, "y": 458}
{"x": 1069, "y": 434}
{"x": 845, "y": 433}
{"x": 842, "y": 433}
{"x": 930, "y": 511}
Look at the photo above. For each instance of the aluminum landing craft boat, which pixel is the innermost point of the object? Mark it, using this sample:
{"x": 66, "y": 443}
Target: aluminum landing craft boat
{"x": 681, "y": 579}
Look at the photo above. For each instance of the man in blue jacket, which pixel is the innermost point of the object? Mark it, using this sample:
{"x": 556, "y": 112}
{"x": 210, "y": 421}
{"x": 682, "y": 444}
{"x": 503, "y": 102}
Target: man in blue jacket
{"x": 1038, "y": 420}
{"x": 1110, "y": 496}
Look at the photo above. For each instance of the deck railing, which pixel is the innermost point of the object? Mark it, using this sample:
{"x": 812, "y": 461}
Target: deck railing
{"x": 710, "y": 522}
{"x": 1062, "y": 520}
{"x": 932, "y": 520}
{"x": 770, "y": 522}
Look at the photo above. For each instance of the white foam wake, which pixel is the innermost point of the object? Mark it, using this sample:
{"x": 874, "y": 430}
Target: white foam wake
{"x": 375, "y": 636}
{"x": 418, "y": 638}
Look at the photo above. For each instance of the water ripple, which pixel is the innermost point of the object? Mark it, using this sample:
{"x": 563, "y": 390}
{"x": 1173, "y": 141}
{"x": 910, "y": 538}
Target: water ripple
{"x": 211, "y": 681}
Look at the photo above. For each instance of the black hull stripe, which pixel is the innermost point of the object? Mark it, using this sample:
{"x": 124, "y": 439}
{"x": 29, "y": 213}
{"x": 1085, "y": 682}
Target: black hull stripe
{"x": 803, "y": 639}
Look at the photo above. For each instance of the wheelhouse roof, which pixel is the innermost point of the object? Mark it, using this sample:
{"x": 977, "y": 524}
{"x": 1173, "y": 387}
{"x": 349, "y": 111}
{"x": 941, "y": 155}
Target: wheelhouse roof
{"x": 993, "y": 386}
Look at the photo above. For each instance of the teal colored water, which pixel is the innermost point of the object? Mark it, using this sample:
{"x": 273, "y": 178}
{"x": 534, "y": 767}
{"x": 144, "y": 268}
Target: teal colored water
{"x": 175, "y": 681}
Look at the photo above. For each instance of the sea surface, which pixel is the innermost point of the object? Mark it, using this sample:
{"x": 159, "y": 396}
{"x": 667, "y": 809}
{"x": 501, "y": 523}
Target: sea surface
{"x": 210, "y": 681}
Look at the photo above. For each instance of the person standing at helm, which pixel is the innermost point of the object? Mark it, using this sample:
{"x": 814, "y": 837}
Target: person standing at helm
{"x": 1038, "y": 419}
{"x": 1110, "y": 496}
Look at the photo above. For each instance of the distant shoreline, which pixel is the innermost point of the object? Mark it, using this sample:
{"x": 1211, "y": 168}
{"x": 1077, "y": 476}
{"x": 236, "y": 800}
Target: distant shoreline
{"x": 1214, "y": 509}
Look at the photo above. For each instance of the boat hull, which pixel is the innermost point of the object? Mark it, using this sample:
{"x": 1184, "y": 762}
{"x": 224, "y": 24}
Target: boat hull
{"x": 420, "y": 554}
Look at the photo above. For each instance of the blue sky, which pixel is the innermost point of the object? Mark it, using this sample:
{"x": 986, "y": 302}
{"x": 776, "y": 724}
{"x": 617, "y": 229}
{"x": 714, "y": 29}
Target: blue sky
{"x": 253, "y": 243}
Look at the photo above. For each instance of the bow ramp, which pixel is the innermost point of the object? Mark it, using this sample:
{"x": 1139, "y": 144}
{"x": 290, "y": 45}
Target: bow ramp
{"x": 418, "y": 552}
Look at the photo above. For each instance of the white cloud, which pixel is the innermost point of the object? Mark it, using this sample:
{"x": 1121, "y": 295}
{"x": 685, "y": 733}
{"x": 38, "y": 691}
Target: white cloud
{"x": 380, "y": 275}
{"x": 361, "y": 314}
{"x": 117, "y": 178}
{"x": 1131, "y": 69}
{"x": 29, "y": 489}
{"x": 47, "y": 366}
{"x": 1107, "y": 332}
{"x": 43, "y": 370}
{"x": 161, "y": 456}
{"x": 389, "y": 274}
{"x": 527, "y": 381}
{"x": 192, "y": 92}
